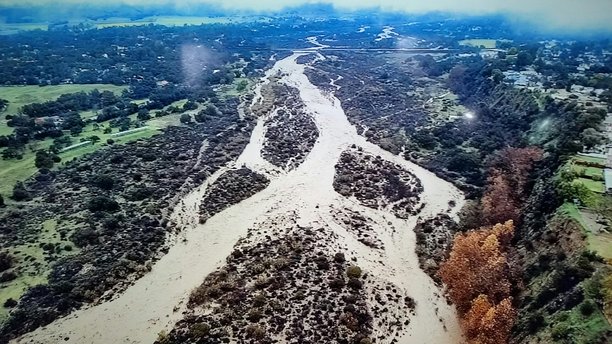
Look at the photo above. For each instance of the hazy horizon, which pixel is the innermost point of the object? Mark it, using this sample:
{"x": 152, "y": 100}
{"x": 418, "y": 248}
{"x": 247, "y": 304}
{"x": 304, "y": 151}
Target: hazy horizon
{"x": 564, "y": 15}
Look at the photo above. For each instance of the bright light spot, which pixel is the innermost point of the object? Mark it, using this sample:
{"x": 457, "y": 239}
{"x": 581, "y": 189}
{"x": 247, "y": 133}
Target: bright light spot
{"x": 545, "y": 123}
{"x": 469, "y": 115}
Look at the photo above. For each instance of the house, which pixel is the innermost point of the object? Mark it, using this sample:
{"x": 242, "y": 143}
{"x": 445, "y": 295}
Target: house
{"x": 54, "y": 120}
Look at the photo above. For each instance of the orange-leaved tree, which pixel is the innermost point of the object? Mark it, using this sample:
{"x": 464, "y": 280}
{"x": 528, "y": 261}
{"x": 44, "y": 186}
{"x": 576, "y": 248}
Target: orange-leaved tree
{"x": 478, "y": 278}
{"x": 508, "y": 176}
{"x": 477, "y": 265}
{"x": 487, "y": 323}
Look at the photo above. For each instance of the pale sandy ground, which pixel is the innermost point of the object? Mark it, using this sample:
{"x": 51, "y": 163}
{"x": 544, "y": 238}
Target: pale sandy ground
{"x": 155, "y": 302}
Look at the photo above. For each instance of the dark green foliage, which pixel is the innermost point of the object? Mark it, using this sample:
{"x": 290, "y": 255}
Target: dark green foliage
{"x": 8, "y": 276}
{"x": 190, "y": 105}
{"x": 85, "y": 237}
{"x": 353, "y": 271}
{"x": 102, "y": 203}
{"x": 6, "y": 261}
{"x": 587, "y": 307}
{"x": 103, "y": 181}
{"x": 139, "y": 193}
{"x": 185, "y": 118}
{"x": 45, "y": 159}
{"x": 211, "y": 110}
{"x": 524, "y": 58}
{"x": 143, "y": 115}
{"x": 20, "y": 193}
{"x": 10, "y": 303}
{"x": 3, "y": 104}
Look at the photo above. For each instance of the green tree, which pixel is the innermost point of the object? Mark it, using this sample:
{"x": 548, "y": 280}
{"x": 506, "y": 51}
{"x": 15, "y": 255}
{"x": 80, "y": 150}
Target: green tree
{"x": 211, "y": 110}
{"x": 591, "y": 137}
{"x": 523, "y": 59}
{"x": 185, "y": 118}
{"x": 20, "y": 193}
{"x": 44, "y": 159}
{"x": 242, "y": 85}
{"x": 94, "y": 139}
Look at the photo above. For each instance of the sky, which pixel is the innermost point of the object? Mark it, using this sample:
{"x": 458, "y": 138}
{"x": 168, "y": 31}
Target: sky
{"x": 550, "y": 14}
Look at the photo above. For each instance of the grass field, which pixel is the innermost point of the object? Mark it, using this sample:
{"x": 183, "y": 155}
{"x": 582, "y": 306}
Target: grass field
{"x": 589, "y": 171}
{"x": 12, "y": 28}
{"x": 589, "y": 159}
{"x": 7, "y": 29}
{"x": 22, "y": 95}
{"x": 598, "y": 242}
{"x": 593, "y": 185}
{"x": 487, "y": 43}
{"x": 12, "y": 171}
{"x": 170, "y": 21}
{"x": 37, "y": 267}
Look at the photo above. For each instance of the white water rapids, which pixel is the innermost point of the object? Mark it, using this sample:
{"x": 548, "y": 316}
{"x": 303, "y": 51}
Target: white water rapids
{"x": 155, "y": 302}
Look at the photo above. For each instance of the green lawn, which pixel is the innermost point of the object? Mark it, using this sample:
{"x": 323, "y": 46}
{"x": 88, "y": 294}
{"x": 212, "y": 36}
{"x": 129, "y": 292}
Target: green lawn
{"x": 19, "y": 96}
{"x": 170, "y": 21}
{"x": 589, "y": 159}
{"x": 593, "y": 185}
{"x": 22, "y": 95}
{"x": 232, "y": 89}
{"x": 11, "y": 28}
{"x": 487, "y": 43}
{"x": 80, "y": 151}
{"x": 598, "y": 242}
{"x": 33, "y": 267}
{"x": 12, "y": 171}
{"x": 590, "y": 171}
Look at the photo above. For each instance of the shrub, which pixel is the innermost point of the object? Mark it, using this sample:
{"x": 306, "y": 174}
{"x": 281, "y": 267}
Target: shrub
{"x": 322, "y": 263}
{"x": 355, "y": 283}
{"x": 6, "y": 261}
{"x": 199, "y": 330}
{"x": 336, "y": 283}
{"x": 561, "y": 331}
{"x": 103, "y": 181}
{"x": 587, "y": 307}
{"x": 255, "y": 315}
{"x": 353, "y": 271}
{"x": 255, "y": 331}
{"x": 534, "y": 322}
{"x": 185, "y": 118}
{"x": 102, "y": 203}
{"x": 163, "y": 338}
{"x": 84, "y": 237}
{"x": 8, "y": 276}
{"x": 20, "y": 193}
{"x": 339, "y": 257}
{"x": 10, "y": 303}
{"x": 259, "y": 300}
